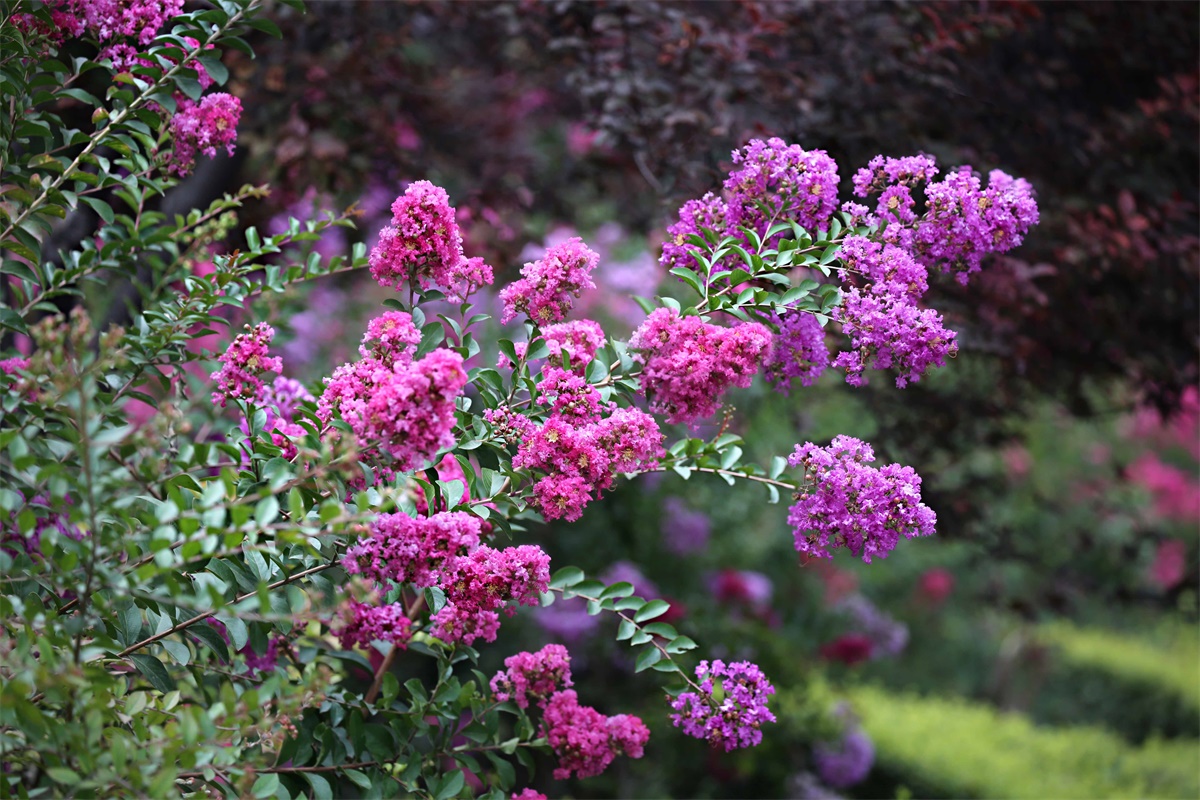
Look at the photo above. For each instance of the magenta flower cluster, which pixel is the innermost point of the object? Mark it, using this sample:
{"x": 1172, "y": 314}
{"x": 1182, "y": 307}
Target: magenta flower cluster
{"x": 707, "y": 212}
{"x": 730, "y": 708}
{"x": 423, "y": 244}
{"x": 688, "y": 363}
{"x": 444, "y": 550}
{"x": 545, "y": 290}
{"x": 586, "y": 741}
{"x": 576, "y": 341}
{"x": 106, "y": 20}
{"x": 886, "y": 326}
{"x": 202, "y": 128}
{"x": 533, "y": 676}
{"x": 246, "y": 358}
{"x": 402, "y": 406}
{"x": 848, "y": 503}
{"x": 366, "y": 623}
{"x": 798, "y": 351}
{"x": 579, "y": 457}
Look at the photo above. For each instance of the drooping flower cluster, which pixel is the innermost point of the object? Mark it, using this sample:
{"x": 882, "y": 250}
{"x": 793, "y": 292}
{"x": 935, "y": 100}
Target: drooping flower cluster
{"x": 545, "y": 290}
{"x": 848, "y": 503}
{"x": 579, "y": 459}
{"x": 793, "y": 183}
{"x": 846, "y": 762}
{"x": 798, "y": 351}
{"x": 210, "y": 124}
{"x": 367, "y": 623}
{"x": 690, "y": 363}
{"x": 894, "y": 180}
{"x": 733, "y": 721}
{"x": 533, "y": 676}
{"x": 424, "y": 244}
{"x": 887, "y": 328}
{"x": 241, "y": 364}
{"x": 577, "y": 341}
{"x": 586, "y": 741}
{"x": 390, "y": 401}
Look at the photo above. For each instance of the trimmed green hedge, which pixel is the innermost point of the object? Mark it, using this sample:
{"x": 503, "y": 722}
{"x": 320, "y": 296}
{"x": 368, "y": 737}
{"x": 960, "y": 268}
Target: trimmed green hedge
{"x": 945, "y": 747}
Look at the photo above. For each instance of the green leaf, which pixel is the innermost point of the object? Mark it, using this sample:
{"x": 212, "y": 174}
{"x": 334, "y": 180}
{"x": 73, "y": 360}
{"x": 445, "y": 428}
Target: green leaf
{"x": 63, "y": 775}
{"x": 647, "y": 659}
{"x": 320, "y": 787}
{"x": 154, "y": 671}
{"x": 266, "y": 511}
{"x": 452, "y": 786}
{"x": 655, "y": 608}
{"x": 626, "y": 630}
{"x": 266, "y": 785}
{"x": 621, "y": 589}
{"x": 567, "y": 576}
{"x": 663, "y": 629}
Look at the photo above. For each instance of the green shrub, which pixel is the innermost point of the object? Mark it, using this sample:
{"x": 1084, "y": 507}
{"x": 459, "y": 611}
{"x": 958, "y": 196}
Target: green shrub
{"x": 951, "y": 747}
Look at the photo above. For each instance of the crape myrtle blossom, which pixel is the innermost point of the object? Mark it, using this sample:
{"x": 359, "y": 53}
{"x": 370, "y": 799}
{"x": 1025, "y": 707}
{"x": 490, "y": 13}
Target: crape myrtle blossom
{"x": 736, "y": 719}
{"x": 545, "y": 290}
{"x": 576, "y": 341}
{"x": 210, "y": 124}
{"x": 367, "y": 623}
{"x": 707, "y": 212}
{"x": 688, "y": 363}
{"x": 423, "y": 244}
{"x": 846, "y": 502}
{"x": 241, "y": 364}
{"x": 793, "y": 183}
{"x": 105, "y": 20}
{"x": 528, "y": 794}
{"x": 585, "y": 741}
{"x": 798, "y": 351}
{"x": 533, "y": 676}
{"x": 403, "y": 407}
{"x": 477, "y": 585}
{"x": 408, "y": 549}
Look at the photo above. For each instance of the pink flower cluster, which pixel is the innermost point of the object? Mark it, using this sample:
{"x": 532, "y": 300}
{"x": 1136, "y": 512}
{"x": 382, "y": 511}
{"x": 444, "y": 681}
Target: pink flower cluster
{"x": 962, "y": 221}
{"x": 528, "y": 794}
{"x": 887, "y": 329}
{"x": 848, "y": 503}
{"x": 392, "y": 402}
{"x": 586, "y": 741}
{"x": 210, "y": 124}
{"x": 405, "y": 549}
{"x": 576, "y": 341}
{"x": 105, "y": 19}
{"x": 736, "y": 719}
{"x": 424, "y": 244}
{"x": 245, "y": 359}
{"x": 280, "y": 401}
{"x": 545, "y": 290}
{"x": 580, "y": 459}
{"x": 707, "y": 212}
{"x": 792, "y": 182}
{"x": 367, "y": 623}
{"x": 533, "y": 676}
{"x": 798, "y": 351}
{"x": 444, "y": 550}
{"x": 690, "y": 363}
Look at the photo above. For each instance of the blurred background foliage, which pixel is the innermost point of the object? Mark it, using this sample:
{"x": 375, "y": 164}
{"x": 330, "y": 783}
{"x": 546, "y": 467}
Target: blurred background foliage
{"x": 1045, "y": 643}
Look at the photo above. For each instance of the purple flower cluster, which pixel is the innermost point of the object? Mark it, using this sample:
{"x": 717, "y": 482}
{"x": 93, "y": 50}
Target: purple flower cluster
{"x": 424, "y": 244}
{"x": 204, "y": 127}
{"x": 545, "y": 290}
{"x": 576, "y": 341}
{"x": 366, "y": 623}
{"x": 793, "y": 183}
{"x": 408, "y": 549}
{"x": 847, "y": 762}
{"x": 798, "y": 351}
{"x": 690, "y": 363}
{"x": 31, "y": 541}
{"x": 849, "y": 503}
{"x": 731, "y": 708}
{"x": 106, "y": 20}
{"x": 707, "y": 212}
{"x": 886, "y": 326}
{"x": 586, "y": 741}
{"x": 962, "y": 221}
